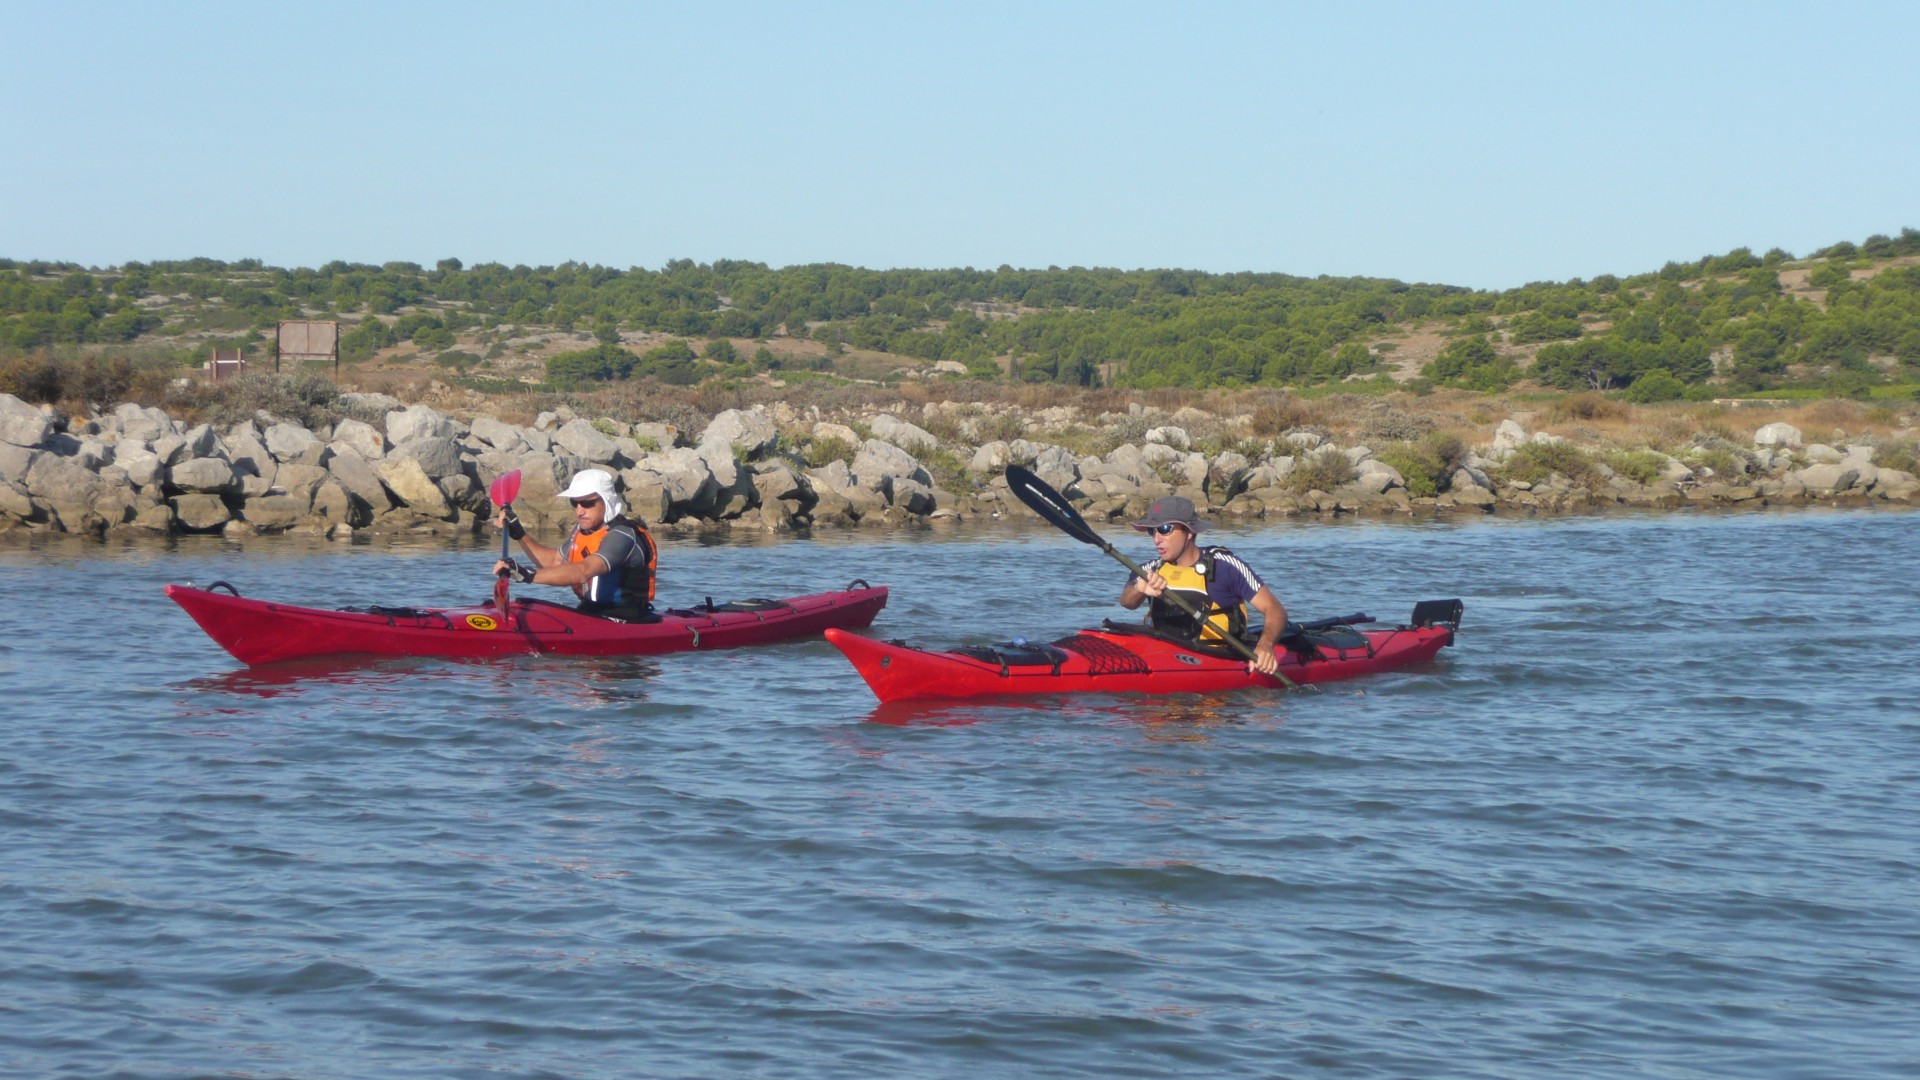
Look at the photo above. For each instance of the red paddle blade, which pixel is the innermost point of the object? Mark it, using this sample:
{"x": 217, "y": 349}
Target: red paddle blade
{"x": 505, "y": 488}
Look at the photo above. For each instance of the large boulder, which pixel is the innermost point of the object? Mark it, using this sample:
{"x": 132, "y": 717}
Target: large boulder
{"x": 200, "y": 512}
{"x": 274, "y": 513}
{"x": 581, "y": 439}
{"x": 357, "y": 478}
{"x": 21, "y": 424}
{"x": 1169, "y": 435}
{"x": 417, "y": 421}
{"x": 497, "y": 433}
{"x": 246, "y": 449}
{"x": 1828, "y": 478}
{"x": 902, "y": 434}
{"x": 751, "y": 430}
{"x": 144, "y": 422}
{"x": 15, "y": 502}
{"x": 992, "y": 458}
{"x": 684, "y": 483}
{"x": 410, "y": 483}
{"x": 199, "y": 440}
{"x": 364, "y": 439}
{"x": 15, "y": 461}
{"x": 438, "y": 455}
{"x": 299, "y": 481}
{"x": 880, "y": 462}
{"x": 203, "y": 475}
{"x": 825, "y": 430}
{"x": 1779, "y": 434}
{"x": 295, "y": 445}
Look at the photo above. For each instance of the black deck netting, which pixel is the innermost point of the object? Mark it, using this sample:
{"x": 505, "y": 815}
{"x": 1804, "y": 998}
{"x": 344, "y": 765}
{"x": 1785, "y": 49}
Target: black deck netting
{"x": 1105, "y": 657}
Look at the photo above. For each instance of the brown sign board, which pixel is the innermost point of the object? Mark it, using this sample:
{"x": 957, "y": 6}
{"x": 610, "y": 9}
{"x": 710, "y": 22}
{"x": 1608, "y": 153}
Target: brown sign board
{"x": 309, "y": 340}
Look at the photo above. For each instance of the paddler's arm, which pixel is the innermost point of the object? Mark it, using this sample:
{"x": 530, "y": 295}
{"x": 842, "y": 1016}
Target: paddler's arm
{"x": 1138, "y": 591}
{"x": 541, "y": 554}
{"x": 570, "y": 573}
{"x": 1275, "y": 613}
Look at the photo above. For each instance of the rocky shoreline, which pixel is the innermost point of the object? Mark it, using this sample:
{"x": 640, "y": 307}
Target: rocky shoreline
{"x": 781, "y": 469}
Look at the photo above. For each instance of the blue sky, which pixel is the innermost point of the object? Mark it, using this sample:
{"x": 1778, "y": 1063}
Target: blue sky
{"x": 1472, "y": 144}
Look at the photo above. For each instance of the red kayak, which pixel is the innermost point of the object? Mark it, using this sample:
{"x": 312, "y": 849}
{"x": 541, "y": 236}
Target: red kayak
{"x": 261, "y": 632}
{"x": 1136, "y": 659}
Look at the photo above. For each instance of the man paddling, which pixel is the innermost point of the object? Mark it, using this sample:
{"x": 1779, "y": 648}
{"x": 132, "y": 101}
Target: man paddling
{"x": 608, "y": 560}
{"x": 1212, "y": 579}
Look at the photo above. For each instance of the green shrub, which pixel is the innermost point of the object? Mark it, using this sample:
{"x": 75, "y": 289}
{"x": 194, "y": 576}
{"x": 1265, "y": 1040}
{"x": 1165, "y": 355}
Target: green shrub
{"x": 1533, "y": 462}
{"x": 1656, "y": 385}
{"x": 1426, "y": 464}
{"x": 1322, "y": 470}
{"x": 828, "y": 450}
{"x": 598, "y": 364}
{"x": 1472, "y": 363}
{"x": 1640, "y": 466}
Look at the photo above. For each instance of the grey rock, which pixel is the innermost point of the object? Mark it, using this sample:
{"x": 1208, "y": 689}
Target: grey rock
{"x": 273, "y": 513}
{"x": 906, "y": 436}
{"x": 497, "y": 433}
{"x": 14, "y": 501}
{"x": 824, "y": 430}
{"x": 581, "y": 439}
{"x": 1829, "y": 478}
{"x": 1822, "y": 454}
{"x": 365, "y": 439}
{"x": 294, "y": 445}
{"x": 300, "y": 481}
{"x": 1780, "y": 434}
{"x": 22, "y": 424}
{"x": 751, "y": 430}
{"x": 358, "y": 479}
{"x": 1168, "y": 435}
{"x": 437, "y": 455}
{"x": 247, "y": 450}
{"x": 15, "y": 461}
{"x": 411, "y": 485}
{"x": 203, "y": 475}
{"x": 201, "y": 512}
{"x": 993, "y": 457}
{"x": 140, "y": 463}
{"x": 417, "y": 421}
{"x": 662, "y": 436}
{"x": 200, "y": 440}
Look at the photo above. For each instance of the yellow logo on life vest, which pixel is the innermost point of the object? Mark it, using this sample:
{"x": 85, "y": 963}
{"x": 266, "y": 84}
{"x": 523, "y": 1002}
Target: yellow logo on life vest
{"x": 482, "y": 622}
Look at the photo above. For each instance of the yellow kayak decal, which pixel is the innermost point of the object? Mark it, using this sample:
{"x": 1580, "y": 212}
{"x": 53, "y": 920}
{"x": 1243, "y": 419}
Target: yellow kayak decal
{"x": 482, "y": 622}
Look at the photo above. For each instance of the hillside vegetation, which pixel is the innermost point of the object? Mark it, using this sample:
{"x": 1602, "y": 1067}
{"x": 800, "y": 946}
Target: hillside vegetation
{"x": 1844, "y": 321}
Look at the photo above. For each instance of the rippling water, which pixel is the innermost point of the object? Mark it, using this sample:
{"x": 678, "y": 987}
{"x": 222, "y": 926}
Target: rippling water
{"x": 1655, "y": 815}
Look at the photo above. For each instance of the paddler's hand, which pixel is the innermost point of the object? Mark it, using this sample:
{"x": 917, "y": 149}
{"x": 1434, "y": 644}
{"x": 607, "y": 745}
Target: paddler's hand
{"x": 1264, "y": 661}
{"x": 519, "y": 573}
{"x": 1153, "y": 584}
{"x": 510, "y": 521}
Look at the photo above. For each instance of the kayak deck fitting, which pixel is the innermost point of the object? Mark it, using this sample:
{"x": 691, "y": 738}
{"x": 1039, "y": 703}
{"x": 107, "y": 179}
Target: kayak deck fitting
{"x": 1120, "y": 658}
{"x": 262, "y": 632}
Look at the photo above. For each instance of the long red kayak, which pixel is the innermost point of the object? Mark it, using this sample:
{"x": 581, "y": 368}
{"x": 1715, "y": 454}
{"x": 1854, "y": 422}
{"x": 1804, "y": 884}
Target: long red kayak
{"x": 1135, "y": 659}
{"x": 263, "y": 632}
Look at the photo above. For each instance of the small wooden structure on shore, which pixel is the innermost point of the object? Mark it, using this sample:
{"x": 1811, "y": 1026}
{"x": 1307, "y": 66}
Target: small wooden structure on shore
{"x": 225, "y": 364}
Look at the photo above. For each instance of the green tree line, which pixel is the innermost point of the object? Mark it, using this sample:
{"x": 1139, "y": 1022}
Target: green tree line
{"x": 1086, "y": 326}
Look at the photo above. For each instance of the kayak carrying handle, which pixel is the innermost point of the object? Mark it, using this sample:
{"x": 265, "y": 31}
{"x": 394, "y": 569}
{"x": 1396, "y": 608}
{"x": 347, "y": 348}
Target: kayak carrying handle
{"x": 857, "y": 583}
{"x": 223, "y": 585}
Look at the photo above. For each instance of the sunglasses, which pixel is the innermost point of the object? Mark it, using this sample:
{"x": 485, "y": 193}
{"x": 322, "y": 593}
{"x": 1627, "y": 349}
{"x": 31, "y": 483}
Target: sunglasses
{"x": 1167, "y": 529}
{"x": 592, "y": 500}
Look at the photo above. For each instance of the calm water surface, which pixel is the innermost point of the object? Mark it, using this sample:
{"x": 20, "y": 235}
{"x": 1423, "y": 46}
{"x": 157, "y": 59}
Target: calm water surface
{"x": 1658, "y": 814}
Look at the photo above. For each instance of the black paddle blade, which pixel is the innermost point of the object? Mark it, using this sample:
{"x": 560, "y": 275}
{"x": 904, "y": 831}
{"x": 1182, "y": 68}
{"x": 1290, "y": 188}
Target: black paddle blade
{"x": 1042, "y": 499}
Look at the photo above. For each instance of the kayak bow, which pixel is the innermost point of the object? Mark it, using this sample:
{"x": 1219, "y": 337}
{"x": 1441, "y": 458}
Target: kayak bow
{"x": 261, "y": 632}
{"x": 1133, "y": 659}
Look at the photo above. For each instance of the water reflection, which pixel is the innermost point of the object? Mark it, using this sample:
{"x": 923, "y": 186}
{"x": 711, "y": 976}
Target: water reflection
{"x": 578, "y": 682}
